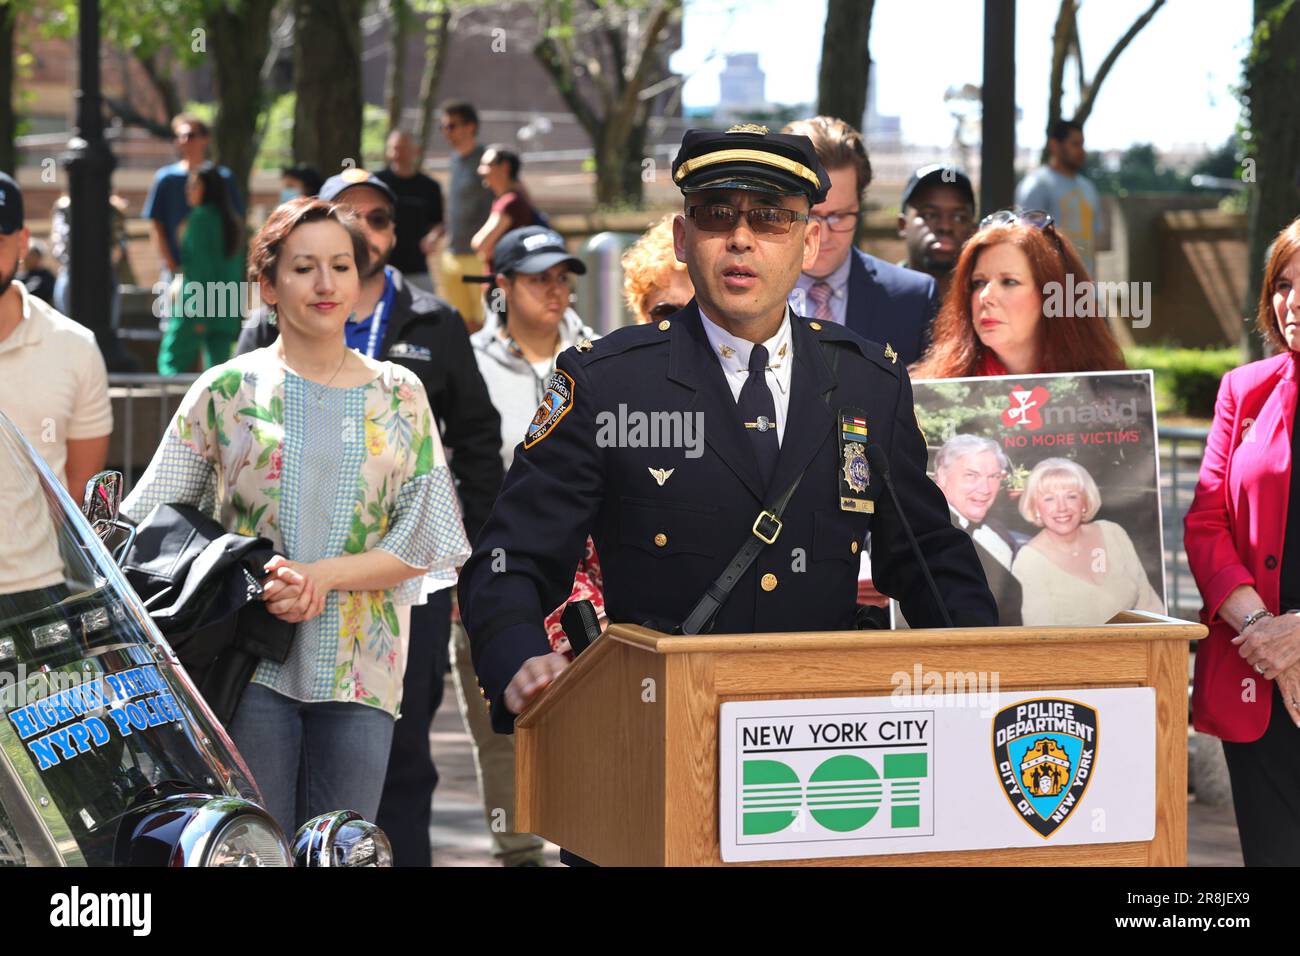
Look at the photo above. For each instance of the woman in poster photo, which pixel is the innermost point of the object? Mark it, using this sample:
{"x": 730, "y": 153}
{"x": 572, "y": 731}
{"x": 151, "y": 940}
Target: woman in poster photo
{"x": 1076, "y": 570}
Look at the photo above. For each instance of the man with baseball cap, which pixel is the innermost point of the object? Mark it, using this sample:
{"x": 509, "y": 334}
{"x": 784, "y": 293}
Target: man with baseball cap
{"x": 703, "y": 451}
{"x": 936, "y": 217}
{"x": 55, "y": 384}
{"x": 397, "y": 322}
{"x": 528, "y": 324}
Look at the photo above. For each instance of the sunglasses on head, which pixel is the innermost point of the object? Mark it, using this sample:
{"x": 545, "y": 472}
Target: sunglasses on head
{"x": 763, "y": 220}
{"x": 1039, "y": 219}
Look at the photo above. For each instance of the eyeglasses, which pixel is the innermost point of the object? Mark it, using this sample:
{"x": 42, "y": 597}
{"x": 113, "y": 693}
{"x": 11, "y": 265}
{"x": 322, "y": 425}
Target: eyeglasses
{"x": 449, "y": 124}
{"x": 839, "y": 221}
{"x": 1040, "y": 219}
{"x": 379, "y": 219}
{"x": 763, "y": 220}
{"x": 664, "y": 309}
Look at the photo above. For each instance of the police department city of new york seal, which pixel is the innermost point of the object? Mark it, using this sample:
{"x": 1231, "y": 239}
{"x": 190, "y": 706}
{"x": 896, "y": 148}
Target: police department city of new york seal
{"x": 1045, "y": 752}
{"x": 856, "y": 473}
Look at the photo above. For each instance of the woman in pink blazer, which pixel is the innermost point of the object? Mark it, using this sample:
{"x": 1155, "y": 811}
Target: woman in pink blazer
{"x": 1242, "y": 537}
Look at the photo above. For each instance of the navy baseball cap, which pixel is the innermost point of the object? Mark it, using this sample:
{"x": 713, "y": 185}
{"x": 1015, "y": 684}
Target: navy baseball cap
{"x": 531, "y": 250}
{"x": 336, "y": 185}
{"x": 747, "y": 156}
{"x": 938, "y": 173}
{"x": 11, "y": 205}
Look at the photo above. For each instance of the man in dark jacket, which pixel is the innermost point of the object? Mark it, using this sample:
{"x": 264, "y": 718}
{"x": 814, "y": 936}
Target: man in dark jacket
{"x": 874, "y": 298}
{"x": 401, "y": 323}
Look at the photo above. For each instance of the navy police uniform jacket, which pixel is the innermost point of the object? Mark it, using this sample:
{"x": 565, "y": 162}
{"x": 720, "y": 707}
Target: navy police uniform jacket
{"x": 662, "y": 542}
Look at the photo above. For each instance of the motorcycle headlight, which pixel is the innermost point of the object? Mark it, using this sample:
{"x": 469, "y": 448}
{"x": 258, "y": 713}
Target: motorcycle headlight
{"x": 248, "y": 840}
{"x": 341, "y": 839}
{"x": 198, "y": 830}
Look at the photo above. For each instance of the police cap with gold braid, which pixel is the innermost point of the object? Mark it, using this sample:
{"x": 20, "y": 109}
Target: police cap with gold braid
{"x": 749, "y": 157}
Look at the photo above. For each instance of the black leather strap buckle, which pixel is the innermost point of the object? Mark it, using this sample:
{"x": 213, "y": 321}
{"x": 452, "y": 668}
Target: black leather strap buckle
{"x": 767, "y": 527}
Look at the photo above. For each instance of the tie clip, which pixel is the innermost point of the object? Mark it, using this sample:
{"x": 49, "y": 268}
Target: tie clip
{"x": 763, "y": 423}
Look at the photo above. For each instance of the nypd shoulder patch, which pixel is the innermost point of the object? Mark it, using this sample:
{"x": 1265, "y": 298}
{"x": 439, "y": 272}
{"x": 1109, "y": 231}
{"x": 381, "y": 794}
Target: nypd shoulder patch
{"x": 555, "y": 405}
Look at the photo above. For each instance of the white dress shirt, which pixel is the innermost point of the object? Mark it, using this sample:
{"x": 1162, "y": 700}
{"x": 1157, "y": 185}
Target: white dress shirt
{"x": 733, "y": 354}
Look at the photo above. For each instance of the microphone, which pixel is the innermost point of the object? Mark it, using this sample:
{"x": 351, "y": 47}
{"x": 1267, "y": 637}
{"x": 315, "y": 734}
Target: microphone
{"x": 879, "y": 461}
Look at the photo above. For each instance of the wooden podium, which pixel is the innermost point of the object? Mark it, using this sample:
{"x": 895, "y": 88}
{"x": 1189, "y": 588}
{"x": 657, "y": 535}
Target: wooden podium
{"x": 618, "y": 761}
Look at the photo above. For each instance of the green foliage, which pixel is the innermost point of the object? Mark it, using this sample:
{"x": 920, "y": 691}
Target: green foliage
{"x": 1140, "y": 170}
{"x": 1187, "y": 380}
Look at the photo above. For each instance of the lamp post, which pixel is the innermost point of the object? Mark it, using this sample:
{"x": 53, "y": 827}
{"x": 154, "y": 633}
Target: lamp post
{"x": 90, "y": 167}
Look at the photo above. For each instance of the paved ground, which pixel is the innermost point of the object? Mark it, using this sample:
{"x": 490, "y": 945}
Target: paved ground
{"x": 460, "y": 834}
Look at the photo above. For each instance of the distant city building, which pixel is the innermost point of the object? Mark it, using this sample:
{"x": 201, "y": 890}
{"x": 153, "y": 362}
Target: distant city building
{"x": 742, "y": 84}
{"x": 882, "y": 132}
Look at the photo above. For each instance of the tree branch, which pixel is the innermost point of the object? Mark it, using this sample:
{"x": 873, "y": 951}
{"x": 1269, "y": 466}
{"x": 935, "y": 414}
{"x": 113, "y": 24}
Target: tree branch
{"x": 1090, "y": 97}
{"x": 130, "y": 116}
{"x": 551, "y": 58}
{"x": 1056, "y": 81}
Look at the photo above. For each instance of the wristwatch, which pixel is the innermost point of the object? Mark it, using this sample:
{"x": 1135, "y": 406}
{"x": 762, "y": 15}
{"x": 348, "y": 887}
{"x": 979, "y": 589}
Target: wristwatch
{"x": 1254, "y": 616}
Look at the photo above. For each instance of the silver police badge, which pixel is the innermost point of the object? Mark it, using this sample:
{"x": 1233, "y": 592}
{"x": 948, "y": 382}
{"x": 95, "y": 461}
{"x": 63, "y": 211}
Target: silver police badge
{"x": 856, "y": 474}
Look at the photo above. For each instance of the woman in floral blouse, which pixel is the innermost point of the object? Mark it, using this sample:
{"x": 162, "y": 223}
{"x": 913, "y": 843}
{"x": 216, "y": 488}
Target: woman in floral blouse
{"x": 335, "y": 458}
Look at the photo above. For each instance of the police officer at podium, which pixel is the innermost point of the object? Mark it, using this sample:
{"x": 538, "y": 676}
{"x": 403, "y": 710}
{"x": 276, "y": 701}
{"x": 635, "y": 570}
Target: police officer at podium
{"x": 721, "y": 458}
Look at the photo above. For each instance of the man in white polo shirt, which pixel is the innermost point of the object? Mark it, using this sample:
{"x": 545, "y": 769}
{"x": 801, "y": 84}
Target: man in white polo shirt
{"x": 53, "y": 383}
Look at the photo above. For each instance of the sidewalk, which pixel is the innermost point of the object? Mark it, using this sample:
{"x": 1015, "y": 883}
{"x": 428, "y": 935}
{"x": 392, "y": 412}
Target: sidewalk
{"x": 460, "y": 834}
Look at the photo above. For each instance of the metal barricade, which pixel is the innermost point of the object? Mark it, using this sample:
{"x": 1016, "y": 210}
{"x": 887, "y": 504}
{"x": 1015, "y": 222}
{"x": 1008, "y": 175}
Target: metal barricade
{"x": 1181, "y": 451}
{"x": 142, "y": 408}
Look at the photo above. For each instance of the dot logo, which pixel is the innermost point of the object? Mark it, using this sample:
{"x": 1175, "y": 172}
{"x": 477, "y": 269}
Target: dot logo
{"x": 843, "y": 794}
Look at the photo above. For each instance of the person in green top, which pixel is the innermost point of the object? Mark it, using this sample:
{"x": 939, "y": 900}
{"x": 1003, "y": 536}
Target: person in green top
{"x": 207, "y": 302}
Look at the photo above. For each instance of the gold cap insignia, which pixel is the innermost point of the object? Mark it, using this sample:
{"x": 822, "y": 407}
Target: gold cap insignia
{"x": 748, "y": 128}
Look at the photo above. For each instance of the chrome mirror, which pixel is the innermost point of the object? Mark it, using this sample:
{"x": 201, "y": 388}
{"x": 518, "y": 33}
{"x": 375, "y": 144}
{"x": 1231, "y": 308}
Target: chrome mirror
{"x": 100, "y": 504}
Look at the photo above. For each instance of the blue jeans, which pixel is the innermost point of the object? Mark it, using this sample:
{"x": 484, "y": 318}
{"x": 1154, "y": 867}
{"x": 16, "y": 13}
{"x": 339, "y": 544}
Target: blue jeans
{"x": 312, "y": 758}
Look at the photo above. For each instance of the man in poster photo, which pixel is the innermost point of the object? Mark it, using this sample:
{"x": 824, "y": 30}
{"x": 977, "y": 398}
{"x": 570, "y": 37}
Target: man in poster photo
{"x": 969, "y": 469}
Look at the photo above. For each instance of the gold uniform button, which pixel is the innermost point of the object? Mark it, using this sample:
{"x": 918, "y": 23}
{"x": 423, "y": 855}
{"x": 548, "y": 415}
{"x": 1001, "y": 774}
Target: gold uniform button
{"x": 661, "y": 539}
{"x": 665, "y": 325}
{"x": 769, "y": 582}
{"x": 853, "y": 548}
{"x": 815, "y": 326}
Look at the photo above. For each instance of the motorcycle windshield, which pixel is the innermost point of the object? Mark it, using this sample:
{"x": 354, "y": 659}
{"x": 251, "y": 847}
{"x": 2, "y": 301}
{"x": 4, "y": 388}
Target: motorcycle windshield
{"x": 96, "y": 716}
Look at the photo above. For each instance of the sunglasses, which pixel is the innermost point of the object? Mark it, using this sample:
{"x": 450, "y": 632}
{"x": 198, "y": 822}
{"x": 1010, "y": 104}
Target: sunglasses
{"x": 762, "y": 220}
{"x": 379, "y": 219}
{"x": 665, "y": 309}
{"x": 1039, "y": 219}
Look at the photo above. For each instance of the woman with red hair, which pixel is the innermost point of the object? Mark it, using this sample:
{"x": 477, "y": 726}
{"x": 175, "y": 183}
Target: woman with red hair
{"x": 1009, "y": 308}
{"x": 1242, "y": 537}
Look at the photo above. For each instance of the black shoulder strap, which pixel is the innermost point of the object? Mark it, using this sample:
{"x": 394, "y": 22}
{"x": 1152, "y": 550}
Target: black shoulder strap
{"x": 766, "y": 528}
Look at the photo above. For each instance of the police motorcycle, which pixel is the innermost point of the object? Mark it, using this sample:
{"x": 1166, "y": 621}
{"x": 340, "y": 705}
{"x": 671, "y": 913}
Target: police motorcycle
{"x": 108, "y": 754}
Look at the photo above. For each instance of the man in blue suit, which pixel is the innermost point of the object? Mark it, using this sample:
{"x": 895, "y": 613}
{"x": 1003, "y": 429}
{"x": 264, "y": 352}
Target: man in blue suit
{"x": 880, "y": 301}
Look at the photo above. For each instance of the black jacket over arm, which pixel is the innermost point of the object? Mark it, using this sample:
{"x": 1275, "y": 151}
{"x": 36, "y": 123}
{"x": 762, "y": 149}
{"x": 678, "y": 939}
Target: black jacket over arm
{"x": 428, "y": 336}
